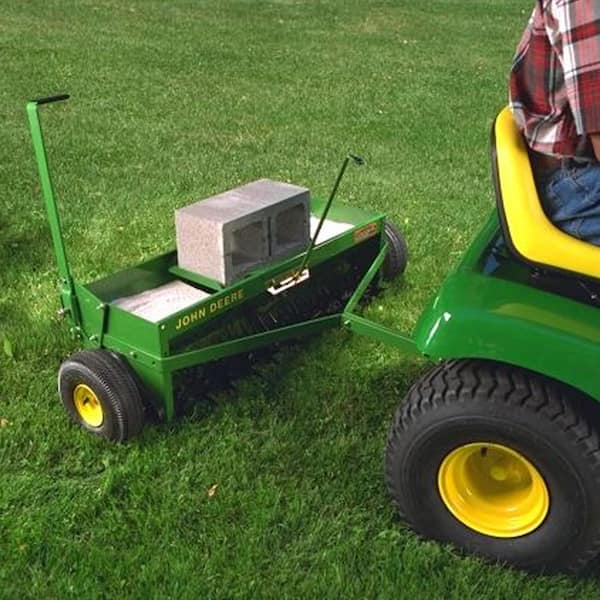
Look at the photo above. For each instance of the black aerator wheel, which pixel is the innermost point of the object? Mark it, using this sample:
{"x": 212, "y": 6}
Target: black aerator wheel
{"x": 99, "y": 392}
{"x": 500, "y": 462}
{"x": 395, "y": 261}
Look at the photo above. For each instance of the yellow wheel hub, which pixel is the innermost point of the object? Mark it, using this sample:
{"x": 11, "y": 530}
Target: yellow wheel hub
{"x": 87, "y": 405}
{"x": 493, "y": 490}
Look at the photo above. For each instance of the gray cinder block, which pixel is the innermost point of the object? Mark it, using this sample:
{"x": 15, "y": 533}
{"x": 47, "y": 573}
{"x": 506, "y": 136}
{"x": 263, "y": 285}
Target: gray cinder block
{"x": 289, "y": 215}
{"x": 227, "y": 235}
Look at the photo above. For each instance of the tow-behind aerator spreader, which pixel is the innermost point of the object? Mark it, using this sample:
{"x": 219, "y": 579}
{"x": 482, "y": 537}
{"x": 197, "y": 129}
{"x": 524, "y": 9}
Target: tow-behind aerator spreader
{"x": 142, "y": 325}
{"x": 496, "y": 449}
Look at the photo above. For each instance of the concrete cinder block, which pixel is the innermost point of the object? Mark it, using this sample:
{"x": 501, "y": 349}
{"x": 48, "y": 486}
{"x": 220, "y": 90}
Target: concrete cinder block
{"x": 227, "y": 235}
{"x": 289, "y": 215}
{"x": 162, "y": 301}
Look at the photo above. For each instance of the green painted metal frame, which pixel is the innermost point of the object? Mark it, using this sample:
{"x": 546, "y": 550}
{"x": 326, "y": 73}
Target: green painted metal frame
{"x": 147, "y": 346}
{"x": 363, "y": 326}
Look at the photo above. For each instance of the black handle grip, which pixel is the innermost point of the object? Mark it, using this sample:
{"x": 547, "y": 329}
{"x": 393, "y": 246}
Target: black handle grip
{"x": 359, "y": 160}
{"x": 50, "y": 99}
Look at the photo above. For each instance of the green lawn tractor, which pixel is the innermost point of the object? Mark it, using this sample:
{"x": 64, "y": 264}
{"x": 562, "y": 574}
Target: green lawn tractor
{"x": 495, "y": 450}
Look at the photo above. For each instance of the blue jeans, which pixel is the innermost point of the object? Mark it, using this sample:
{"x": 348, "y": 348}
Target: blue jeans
{"x": 571, "y": 199}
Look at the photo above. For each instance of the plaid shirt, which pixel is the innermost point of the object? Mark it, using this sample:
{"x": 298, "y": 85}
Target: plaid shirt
{"x": 555, "y": 77}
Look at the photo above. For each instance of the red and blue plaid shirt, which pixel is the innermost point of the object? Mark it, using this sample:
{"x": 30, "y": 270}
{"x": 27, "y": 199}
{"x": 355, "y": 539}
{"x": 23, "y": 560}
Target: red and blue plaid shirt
{"x": 555, "y": 77}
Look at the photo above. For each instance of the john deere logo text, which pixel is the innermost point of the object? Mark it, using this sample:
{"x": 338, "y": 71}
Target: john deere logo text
{"x": 209, "y": 309}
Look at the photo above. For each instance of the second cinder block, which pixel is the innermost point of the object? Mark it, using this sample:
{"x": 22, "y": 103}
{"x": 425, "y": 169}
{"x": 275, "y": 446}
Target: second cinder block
{"x": 227, "y": 235}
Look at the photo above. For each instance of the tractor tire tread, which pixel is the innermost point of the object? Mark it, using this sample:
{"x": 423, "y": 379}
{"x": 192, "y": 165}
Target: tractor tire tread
{"x": 454, "y": 380}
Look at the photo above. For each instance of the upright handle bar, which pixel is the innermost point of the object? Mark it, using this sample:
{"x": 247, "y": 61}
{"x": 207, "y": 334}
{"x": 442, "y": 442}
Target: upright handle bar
{"x": 50, "y": 202}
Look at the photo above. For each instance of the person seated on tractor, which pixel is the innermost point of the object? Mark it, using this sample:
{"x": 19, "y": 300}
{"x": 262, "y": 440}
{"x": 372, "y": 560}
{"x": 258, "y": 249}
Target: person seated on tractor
{"x": 555, "y": 99}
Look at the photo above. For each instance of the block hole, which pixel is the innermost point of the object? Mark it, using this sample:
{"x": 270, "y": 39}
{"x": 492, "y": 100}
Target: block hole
{"x": 290, "y": 227}
{"x": 247, "y": 246}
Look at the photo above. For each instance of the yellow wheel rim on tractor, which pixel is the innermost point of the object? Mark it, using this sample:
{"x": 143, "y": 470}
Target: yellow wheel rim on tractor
{"x": 87, "y": 405}
{"x": 493, "y": 489}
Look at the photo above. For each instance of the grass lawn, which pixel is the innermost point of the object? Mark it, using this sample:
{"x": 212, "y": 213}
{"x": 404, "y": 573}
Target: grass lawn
{"x": 174, "y": 101}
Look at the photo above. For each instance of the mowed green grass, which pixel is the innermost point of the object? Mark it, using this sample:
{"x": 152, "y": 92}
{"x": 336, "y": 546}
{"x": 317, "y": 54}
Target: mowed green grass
{"x": 271, "y": 487}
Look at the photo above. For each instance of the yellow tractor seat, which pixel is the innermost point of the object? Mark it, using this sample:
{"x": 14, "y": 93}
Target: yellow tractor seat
{"x": 527, "y": 230}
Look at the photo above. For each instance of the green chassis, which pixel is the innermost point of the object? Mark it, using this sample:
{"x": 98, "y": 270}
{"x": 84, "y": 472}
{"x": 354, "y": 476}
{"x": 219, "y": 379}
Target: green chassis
{"x": 484, "y": 309}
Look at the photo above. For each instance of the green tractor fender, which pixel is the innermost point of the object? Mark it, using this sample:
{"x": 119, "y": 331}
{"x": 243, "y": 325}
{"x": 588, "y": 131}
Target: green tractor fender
{"x": 475, "y": 315}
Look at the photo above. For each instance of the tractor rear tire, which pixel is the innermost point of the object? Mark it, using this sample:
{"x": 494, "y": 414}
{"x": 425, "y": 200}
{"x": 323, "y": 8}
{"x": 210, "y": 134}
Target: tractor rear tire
{"x": 500, "y": 462}
{"x": 100, "y": 394}
{"x": 396, "y": 259}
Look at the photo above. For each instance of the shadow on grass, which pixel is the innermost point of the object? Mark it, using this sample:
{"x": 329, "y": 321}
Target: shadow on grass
{"x": 200, "y": 396}
{"x": 199, "y": 390}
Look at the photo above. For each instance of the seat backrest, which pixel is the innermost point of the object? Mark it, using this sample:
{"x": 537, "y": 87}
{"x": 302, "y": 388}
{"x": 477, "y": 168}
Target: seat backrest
{"x": 528, "y": 232}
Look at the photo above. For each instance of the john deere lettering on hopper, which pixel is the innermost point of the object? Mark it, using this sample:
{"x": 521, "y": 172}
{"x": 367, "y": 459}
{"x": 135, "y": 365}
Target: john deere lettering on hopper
{"x": 213, "y": 307}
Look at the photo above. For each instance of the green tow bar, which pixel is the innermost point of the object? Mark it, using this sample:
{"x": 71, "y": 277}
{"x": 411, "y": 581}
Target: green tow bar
{"x": 363, "y": 326}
